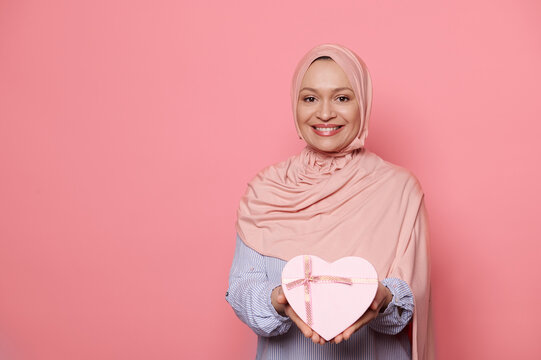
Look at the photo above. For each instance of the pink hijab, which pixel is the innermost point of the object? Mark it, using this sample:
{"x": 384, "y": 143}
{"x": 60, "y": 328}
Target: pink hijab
{"x": 346, "y": 203}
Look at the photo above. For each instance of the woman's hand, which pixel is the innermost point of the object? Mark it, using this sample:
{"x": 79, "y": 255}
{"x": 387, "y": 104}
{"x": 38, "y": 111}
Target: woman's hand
{"x": 381, "y": 300}
{"x": 279, "y": 301}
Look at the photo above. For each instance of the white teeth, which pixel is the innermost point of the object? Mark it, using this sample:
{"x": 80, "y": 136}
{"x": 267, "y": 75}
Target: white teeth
{"x": 328, "y": 129}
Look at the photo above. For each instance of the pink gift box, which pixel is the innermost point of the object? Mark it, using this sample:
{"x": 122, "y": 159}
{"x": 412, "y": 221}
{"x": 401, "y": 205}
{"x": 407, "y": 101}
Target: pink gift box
{"x": 329, "y": 297}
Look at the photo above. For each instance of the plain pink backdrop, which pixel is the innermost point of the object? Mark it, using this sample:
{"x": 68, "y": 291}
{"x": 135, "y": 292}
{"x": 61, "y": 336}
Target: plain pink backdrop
{"x": 129, "y": 129}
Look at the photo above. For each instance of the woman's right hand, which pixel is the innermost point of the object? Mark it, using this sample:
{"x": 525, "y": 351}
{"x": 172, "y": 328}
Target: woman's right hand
{"x": 279, "y": 301}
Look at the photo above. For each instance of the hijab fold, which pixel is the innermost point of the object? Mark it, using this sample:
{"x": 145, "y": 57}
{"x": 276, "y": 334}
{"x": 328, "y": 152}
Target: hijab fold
{"x": 345, "y": 203}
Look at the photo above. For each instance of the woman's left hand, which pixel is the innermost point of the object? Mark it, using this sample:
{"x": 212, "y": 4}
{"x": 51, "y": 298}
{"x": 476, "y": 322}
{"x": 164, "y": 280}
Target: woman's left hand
{"x": 381, "y": 300}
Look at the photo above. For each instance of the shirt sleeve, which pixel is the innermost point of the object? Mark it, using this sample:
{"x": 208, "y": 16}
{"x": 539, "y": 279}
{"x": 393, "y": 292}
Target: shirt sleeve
{"x": 399, "y": 311}
{"x": 249, "y": 293}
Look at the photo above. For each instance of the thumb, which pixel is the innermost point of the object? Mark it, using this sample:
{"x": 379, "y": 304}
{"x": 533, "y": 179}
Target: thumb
{"x": 375, "y": 305}
{"x": 281, "y": 298}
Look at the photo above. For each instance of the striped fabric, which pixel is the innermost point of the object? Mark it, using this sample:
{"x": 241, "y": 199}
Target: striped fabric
{"x": 251, "y": 281}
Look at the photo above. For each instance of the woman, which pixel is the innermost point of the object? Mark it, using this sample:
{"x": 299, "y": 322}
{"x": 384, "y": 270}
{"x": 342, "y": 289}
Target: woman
{"x": 334, "y": 199}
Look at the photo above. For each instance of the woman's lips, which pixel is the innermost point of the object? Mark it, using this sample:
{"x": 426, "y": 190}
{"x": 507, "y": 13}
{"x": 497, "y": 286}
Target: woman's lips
{"x": 327, "y": 129}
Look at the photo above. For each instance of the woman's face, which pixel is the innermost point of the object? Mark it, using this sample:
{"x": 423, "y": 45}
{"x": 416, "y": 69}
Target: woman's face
{"x": 327, "y": 111}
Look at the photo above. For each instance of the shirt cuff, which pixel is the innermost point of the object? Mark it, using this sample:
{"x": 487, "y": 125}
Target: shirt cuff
{"x": 398, "y": 312}
{"x": 402, "y": 296}
{"x": 285, "y": 321}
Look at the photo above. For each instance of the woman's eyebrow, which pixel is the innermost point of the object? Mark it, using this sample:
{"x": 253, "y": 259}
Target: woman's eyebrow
{"x": 334, "y": 90}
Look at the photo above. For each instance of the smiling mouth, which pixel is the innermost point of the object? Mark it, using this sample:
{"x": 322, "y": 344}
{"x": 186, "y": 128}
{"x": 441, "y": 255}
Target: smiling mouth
{"x": 327, "y": 129}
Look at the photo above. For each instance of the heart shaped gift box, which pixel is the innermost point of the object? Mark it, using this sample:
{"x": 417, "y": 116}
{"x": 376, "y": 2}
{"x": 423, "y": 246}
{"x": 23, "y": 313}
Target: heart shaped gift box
{"x": 329, "y": 297}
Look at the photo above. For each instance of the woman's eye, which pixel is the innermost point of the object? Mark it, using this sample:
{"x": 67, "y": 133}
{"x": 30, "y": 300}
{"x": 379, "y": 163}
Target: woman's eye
{"x": 309, "y": 99}
{"x": 343, "y": 98}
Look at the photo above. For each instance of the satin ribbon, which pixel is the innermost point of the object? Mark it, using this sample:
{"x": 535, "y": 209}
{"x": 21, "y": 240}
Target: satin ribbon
{"x": 326, "y": 279}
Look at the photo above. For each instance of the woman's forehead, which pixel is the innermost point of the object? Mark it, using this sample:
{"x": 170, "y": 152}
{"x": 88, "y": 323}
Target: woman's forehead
{"x": 325, "y": 74}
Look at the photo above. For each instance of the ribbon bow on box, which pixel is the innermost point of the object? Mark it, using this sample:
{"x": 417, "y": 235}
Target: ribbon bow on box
{"x": 331, "y": 302}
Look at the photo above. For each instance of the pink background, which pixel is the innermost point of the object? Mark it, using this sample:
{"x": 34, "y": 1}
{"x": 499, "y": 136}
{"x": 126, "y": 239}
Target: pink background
{"x": 128, "y": 131}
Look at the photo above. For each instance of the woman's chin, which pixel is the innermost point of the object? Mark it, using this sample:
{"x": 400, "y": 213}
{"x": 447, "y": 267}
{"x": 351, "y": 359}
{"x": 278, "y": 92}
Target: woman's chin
{"x": 326, "y": 144}
{"x": 330, "y": 148}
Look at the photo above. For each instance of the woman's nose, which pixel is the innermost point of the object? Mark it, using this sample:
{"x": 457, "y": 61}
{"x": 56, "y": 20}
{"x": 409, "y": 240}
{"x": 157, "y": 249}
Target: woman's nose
{"x": 326, "y": 111}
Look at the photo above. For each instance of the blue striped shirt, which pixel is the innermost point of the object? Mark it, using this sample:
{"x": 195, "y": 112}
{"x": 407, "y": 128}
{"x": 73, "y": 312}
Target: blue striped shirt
{"x": 253, "y": 277}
